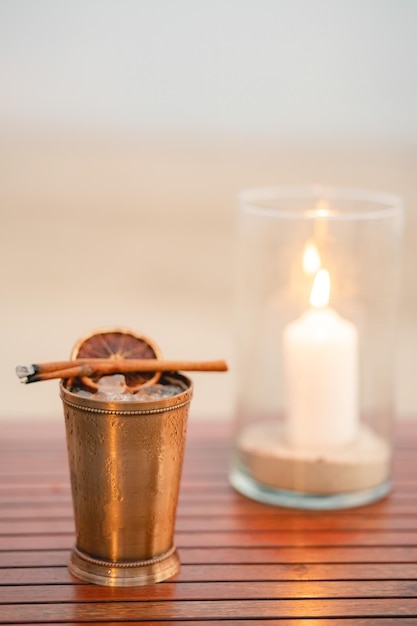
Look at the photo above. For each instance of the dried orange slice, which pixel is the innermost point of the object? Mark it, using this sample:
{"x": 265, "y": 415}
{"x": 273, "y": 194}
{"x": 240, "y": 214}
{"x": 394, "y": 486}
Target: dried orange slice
{"x": 118, "y": 343}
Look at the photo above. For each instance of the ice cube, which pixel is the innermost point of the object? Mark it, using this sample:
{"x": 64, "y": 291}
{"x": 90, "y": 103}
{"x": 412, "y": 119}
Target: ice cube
{"x": 171, "y": 390}
{"x": 157, "y": 392}
{"x": 115, "y": 397}
{"x": 84, "y": 394}
{"x": 111, "y": 385}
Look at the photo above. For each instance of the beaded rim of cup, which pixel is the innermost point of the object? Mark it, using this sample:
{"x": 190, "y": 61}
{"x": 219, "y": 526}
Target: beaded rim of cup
{"x": 144, "y": 407}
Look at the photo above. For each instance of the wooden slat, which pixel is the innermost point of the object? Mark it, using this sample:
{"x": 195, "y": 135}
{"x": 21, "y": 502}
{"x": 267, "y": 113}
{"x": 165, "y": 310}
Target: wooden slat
{"x": 266, "y": 590}
{"x": 17, "y": 522}
{"x": 252, "y": 555}
{"x": 361, "y": 621}
{"x": 47, "y": 575}
{"x": 249, "y": 539}
{"x": 300, "y": 538}
{"x": 208, "y": 609}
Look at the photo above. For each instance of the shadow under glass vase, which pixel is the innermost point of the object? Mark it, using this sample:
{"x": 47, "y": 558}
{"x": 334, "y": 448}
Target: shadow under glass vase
{"x": 125, "y": 462}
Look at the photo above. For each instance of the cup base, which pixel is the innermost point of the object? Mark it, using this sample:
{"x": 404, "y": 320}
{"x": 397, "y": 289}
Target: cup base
{"x": 126, "y": 573}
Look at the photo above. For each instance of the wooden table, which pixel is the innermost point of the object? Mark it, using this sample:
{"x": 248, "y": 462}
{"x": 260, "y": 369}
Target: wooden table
{"x": 243, "y": 562}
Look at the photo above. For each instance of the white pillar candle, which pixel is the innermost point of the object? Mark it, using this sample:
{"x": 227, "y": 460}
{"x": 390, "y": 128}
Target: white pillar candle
{"x": 320, "y": 351}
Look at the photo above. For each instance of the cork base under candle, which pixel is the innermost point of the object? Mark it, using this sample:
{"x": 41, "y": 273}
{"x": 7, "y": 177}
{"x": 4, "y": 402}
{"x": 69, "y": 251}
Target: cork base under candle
{"x": 266, "y": 458}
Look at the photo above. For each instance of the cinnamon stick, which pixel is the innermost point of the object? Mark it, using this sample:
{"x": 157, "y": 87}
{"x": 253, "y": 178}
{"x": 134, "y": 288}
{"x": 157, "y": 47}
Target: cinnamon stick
{"x": 86, "y": 367}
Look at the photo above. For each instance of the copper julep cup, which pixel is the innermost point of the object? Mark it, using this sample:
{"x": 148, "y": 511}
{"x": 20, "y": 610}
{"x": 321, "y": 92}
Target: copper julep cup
{"x": 125, "y": 462}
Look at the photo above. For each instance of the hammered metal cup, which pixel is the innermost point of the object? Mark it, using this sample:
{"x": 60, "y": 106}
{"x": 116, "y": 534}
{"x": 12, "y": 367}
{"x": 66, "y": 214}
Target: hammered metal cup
{"x": 125, "y": 462}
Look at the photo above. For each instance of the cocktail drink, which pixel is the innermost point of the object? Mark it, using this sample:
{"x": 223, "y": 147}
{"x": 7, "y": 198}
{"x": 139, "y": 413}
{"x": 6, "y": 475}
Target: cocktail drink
{"x": 125, "y": 458}
{"x": 126, "y": 412}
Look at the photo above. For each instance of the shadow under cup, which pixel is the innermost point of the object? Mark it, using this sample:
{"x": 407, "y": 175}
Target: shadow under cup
{"x": 125, "y": 462}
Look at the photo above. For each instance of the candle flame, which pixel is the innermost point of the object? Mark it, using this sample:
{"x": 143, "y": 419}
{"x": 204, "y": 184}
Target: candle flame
{"x": 322, "y": 208}
{"x": 311, "y": 259}
{"x": 320, "y": 292}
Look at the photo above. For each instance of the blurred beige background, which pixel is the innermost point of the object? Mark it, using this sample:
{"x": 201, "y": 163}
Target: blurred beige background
{"x": 127, "y": 130}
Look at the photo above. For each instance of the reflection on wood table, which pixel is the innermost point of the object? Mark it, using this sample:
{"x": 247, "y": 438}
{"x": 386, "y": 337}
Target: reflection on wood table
{"x": 242, "y": 562}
